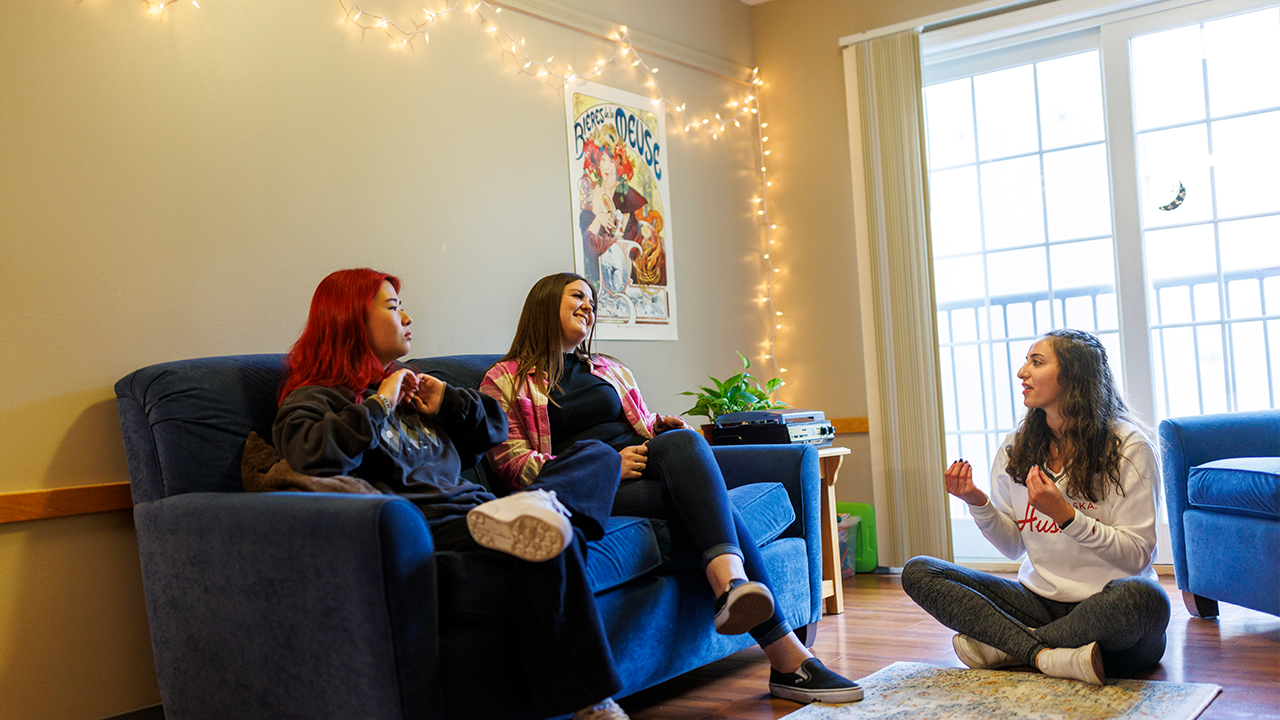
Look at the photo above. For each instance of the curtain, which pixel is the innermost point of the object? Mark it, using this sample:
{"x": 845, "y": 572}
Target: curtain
{"x": 895, "y": 277}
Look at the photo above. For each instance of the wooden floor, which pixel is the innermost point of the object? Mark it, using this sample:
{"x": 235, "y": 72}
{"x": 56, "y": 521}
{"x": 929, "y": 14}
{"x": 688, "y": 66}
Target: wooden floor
{"x": 880, "y": 625}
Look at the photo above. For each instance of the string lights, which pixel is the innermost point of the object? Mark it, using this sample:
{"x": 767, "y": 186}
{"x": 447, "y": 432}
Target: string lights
{"x": 404, "y": 35}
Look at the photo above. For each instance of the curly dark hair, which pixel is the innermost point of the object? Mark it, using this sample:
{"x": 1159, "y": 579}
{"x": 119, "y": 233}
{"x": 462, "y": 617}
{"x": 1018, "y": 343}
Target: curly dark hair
{"x": 1090, "y": 406}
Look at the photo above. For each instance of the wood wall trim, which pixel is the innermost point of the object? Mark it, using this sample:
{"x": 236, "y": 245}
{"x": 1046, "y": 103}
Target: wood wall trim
{"x": 85, "y": 499}
{"x": 850, "y": 425}
{"x": 62, "y": 502}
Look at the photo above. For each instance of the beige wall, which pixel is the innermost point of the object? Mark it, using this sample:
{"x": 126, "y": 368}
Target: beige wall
{"x": 797, "y": 48}
{"x": 175, "y": 189}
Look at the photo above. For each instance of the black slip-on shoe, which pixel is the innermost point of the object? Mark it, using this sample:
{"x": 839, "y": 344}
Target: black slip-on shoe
{"x": 743, "y": 606}
{"x": 813, "y": 682}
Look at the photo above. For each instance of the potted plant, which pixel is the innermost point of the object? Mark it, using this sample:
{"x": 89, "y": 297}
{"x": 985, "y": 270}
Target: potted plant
{"x": 739, "y": 393}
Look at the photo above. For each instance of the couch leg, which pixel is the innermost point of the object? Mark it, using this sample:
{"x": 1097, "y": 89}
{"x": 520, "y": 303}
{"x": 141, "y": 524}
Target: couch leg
{"x": 807, "y": 634}
{"x": 1201, "y": 607}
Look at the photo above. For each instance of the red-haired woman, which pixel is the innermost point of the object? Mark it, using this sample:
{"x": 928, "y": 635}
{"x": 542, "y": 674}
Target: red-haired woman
{"x": 558, "y": 394}
{"x": 348, "y": 408}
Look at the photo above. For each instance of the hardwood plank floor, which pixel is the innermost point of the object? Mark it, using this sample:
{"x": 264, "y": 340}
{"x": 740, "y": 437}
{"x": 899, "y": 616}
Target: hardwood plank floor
{"x": 1240, "y": 651}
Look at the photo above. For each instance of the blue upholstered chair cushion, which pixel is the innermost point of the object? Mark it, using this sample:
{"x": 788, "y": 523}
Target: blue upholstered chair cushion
{"x": 1247, "y": 486}
{"x": 632, "y": 547}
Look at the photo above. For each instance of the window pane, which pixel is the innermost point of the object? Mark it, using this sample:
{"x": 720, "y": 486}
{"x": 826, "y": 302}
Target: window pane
{"x": 1173, "y": 304}
{"x": 1006, "y": 112}
{"x": 1249, "y": 367}
{"x": 1003, "y": 385}
{"x": 1077, "y": 193}
{"x": 1083, "y": 264}
{"x": 958, "y": 279}
{"x": 1170, "y": 159}
{"x": 1021, "y": 324}
{"x": 946, "y": 367}
{"x": 1244, "y": 300}
{"x": 1213, "y": 370}
{"x": 997, "y": 321}
{"x": 954, "y": 211}
{"x": 1070, "y": 90}
{"x": 1240, "y": 51}
{"x": 1246, "y": 164}
{"x": 949, "y": 119}
{"x": 964, "y": 325}
{"x": 1180, "y": 253}
{"x": 1011, "y": 209}
{"x": 1181, "y": 381}
{"x": 1251, "y": 245}
{"x": 1108, "y": 314}
{"x": 1273, "y": 358}
{"x": 1207, "y": 302}
{"x": 1016, "y": 272}
{"x": 969, "y": 405}
{"x": 1079, "y": 313}
{"x": 1168, "y": 78}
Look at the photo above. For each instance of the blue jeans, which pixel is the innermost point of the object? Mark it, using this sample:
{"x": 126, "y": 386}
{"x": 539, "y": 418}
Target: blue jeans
{"x": 560, "y": 640}
{"x": 682, "y": 484}
{"x": 1127, "y": 618}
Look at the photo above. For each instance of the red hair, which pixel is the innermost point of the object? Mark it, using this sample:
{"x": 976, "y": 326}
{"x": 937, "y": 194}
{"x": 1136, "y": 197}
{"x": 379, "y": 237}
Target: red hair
{"x": 333, "y": 349}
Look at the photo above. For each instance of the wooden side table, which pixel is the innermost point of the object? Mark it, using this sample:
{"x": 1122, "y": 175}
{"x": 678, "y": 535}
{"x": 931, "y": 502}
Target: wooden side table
{"x": 829, "y": 461}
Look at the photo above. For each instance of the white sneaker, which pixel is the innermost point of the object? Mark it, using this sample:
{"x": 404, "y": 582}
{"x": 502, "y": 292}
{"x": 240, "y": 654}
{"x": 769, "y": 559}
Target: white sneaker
{"x": 1082, "y": 663}
{"x": 606, "y": 709}
{"x": 531, "y": 525}
{"x": 979, "y": 655}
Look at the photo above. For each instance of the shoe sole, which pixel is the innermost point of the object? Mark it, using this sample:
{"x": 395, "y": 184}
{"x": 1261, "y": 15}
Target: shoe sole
{"x": 1099, "y": 673}
{"x": 800, "y": 695}
{"x": 526, "y": 537}
{"x": 744, "y": 611}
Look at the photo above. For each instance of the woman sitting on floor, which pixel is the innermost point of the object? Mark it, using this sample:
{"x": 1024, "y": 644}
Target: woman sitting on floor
{"x": 1074, "y": 489}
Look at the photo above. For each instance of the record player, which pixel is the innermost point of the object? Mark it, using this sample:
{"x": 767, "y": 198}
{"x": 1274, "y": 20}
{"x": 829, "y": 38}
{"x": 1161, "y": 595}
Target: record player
{"x": 764, "y": 427}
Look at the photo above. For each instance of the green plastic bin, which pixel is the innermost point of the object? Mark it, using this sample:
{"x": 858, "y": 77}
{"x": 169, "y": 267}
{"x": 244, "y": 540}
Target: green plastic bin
{"x": 865, "y": 556}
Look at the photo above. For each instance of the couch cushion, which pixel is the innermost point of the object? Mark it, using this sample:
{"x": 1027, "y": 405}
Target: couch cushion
{"x": 1238, "y": 486}
{"x": 627, "y": 550}
{"x": 765, "y": 509}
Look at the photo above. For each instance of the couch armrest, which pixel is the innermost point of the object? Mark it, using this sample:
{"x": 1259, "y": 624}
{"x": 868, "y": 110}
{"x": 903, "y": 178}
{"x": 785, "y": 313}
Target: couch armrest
{"x": 249, "y": 596}
{"x": 796, "y": 467}
{"x": 1186, "y": 442}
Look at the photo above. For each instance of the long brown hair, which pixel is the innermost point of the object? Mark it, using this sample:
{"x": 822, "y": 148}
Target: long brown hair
{"x": 1090, "y": 406}
{"x": 538, "y": 346}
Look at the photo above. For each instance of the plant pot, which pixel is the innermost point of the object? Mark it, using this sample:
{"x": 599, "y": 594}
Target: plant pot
{"x": 706, "y": 431}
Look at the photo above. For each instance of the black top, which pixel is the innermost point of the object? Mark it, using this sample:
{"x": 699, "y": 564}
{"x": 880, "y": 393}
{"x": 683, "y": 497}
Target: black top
{"x": 324, "y": 431}
{"x": 586, "y": 407}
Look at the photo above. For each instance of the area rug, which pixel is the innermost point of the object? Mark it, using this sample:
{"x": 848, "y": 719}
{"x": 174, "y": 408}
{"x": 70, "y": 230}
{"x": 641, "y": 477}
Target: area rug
{"x": 925, "y": 692}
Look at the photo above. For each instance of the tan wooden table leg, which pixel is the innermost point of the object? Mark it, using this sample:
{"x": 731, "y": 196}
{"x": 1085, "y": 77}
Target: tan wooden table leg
{"x": 832, "y": 585}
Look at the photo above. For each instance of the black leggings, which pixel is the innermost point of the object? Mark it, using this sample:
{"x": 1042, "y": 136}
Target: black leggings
{"x": 1127, "y": 617}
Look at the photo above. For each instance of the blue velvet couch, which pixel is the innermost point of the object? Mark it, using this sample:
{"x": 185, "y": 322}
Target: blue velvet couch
{"x": 1222, "y": 488}
{"x": 310, "y": 605}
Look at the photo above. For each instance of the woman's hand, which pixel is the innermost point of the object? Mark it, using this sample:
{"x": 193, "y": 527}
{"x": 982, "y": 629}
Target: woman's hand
{"x": 426, "y": 399}
{"x": 398, "y": 385}
{"x": 1044, "y": 495}
{"x": 959, "y": 480}
{"x": 634, "y": 460}
{"x": 668, "y": 422}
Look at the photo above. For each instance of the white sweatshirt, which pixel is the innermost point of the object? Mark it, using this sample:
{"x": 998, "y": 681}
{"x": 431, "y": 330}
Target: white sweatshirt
{"x": 1110, "y": 539}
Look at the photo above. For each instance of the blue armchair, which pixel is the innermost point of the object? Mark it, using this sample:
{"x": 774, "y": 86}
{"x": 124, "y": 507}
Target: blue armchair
{"x": 313, "y": 605}
{"x": 1222, "y": 488}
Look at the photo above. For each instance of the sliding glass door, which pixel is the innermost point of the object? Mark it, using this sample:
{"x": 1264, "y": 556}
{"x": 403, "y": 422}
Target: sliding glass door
{"x": 1121, "y": 179}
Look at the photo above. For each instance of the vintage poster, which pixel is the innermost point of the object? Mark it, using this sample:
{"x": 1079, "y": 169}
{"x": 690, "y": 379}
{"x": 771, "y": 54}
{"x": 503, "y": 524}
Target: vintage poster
{"x": 621, "y": 210}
